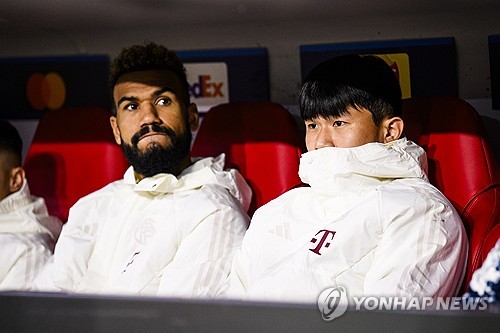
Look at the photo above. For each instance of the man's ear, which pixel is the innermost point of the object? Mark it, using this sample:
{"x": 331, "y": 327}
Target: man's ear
{"x": 193, "y": 117}
{"x": 392, "y": 129}
{"x": 17, "y": 176}
{"x": 116, "y": 129}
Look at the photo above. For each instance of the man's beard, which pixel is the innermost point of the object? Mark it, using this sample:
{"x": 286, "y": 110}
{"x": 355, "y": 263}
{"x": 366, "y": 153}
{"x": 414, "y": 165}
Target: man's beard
{"x": 157, "y": 159}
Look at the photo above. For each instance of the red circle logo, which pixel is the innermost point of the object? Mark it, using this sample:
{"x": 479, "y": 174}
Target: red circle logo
{"x": 46, "y": 91}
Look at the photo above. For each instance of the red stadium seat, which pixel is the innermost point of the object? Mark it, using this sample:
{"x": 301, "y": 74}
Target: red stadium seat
{"x": 73, "y": 153}
{"x": 260, "y": 139}
{"x": 490, "y": 241}
{"x": 461, "y": 164}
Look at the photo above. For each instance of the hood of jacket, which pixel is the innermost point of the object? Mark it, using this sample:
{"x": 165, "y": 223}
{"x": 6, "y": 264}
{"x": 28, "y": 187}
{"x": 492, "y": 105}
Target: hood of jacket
{"x": 202, "y": 172}
{"x": 333, "y": 171}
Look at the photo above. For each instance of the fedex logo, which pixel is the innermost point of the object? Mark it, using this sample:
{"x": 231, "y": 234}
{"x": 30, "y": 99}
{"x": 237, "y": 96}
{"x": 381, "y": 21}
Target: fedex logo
{"x": 208, "y": 84}
{"x": 205, "y": 87}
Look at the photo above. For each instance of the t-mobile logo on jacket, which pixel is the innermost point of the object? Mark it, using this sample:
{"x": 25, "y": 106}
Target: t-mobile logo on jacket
{"x": 323, "y": 241}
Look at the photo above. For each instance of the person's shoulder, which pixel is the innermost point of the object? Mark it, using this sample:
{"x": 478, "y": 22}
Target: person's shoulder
{"x": 25, "y": 242}
{"x": 418, "y": 198}
{"x": 411, "y": 188}
{"x": 108, "y": 190}
{"x": 210, "y": 202}
{"x": 296, "y": 196}
{"x": 214, "y": 194}
{"x": 295, "y": 193}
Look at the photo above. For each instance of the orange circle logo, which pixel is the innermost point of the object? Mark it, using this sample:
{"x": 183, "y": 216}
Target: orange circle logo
{"x": 46, "y": 91}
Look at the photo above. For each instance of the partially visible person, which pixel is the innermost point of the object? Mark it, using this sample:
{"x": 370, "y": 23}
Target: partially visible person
{"x": 485, "y": 282}
{"x": 369, "y": 221}
{"x": 170, "y": 227}
{"x": 27, "y": 232}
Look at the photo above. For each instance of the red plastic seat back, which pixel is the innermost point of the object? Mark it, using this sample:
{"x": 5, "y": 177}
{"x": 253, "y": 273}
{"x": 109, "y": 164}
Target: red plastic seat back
{"x": 461, "y": 164}
{"x": 73, "y": 153}
{"x": 490, "y": 241}
{"x": 260, "y": 139}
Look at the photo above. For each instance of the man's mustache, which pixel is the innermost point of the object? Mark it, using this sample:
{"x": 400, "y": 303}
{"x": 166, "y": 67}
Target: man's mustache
{"x": 152, "y": 128}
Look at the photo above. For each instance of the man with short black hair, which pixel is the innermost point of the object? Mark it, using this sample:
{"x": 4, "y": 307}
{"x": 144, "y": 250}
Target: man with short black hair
{"x": 370, "y": 221}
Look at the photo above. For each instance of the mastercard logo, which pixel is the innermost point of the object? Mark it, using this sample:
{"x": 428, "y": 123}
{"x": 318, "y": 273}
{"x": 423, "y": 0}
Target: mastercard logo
{"x": 46, "y": 91}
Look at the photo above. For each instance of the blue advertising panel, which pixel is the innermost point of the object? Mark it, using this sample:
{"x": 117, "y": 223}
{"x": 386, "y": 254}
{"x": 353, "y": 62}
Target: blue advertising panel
{"x": 31, "y": 86}
{"x": 227, "y": 75}
{"x": 425, "y": 67}
{"x": 494, "y": 52}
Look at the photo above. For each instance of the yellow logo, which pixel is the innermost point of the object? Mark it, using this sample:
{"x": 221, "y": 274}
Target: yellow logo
{"x": 46, "y": 91}
{"x": 400, "y": 64}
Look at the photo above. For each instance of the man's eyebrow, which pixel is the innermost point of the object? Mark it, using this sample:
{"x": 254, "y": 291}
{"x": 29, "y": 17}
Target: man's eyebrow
{"x": 160, "y": 91}
{"x": 127, "y": 99}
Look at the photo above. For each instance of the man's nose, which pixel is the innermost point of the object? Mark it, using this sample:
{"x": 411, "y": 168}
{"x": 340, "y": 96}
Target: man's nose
{"x": 324, "y": 139}
{"x": 149, "y": 114}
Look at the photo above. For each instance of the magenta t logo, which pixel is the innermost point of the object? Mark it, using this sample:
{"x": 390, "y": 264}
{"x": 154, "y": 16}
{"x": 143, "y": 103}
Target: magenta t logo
{"x": 322, "y": 241}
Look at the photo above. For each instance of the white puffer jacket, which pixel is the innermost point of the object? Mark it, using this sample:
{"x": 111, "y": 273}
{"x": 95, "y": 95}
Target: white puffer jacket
{"x": 370, "y": 222}
{"x": 162, "y": 236}
{"x": 27, "y": 234}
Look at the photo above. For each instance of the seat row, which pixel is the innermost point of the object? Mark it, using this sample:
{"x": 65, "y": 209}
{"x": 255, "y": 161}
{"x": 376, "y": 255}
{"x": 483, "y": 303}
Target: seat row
{"x": 73, "y": 153}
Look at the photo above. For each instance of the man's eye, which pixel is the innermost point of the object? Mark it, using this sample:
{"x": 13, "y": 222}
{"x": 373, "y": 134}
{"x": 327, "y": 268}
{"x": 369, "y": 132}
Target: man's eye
{"x": 338, "y": 123}
{"x": 130, "y": 107}
{"x": 164, "y": 101}
{"x": 311, "y": 126}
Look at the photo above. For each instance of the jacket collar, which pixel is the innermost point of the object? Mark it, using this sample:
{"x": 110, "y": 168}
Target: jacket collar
{"x": 15, "y": 200}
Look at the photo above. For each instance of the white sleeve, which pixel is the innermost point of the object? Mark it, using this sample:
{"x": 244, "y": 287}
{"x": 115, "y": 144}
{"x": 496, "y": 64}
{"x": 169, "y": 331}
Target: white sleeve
{"x": 43, "y": 281}
{"x": 422, "y": 251}
{"x": 71, "y": 254}
{"x": 248, "y": 259}
{"x": 23, "y": 256}
{"x": 236, "y": 284}
{"x": 203, "y": 259}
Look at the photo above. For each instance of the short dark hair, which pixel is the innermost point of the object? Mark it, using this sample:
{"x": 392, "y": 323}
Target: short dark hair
{"x": 149, "y": 56}
{"x": 10, "y": 140}
{"x": 351, "y": 81}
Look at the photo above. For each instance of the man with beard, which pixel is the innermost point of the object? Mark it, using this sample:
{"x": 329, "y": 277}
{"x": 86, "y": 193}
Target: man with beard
{"x": 170, "y": 227}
